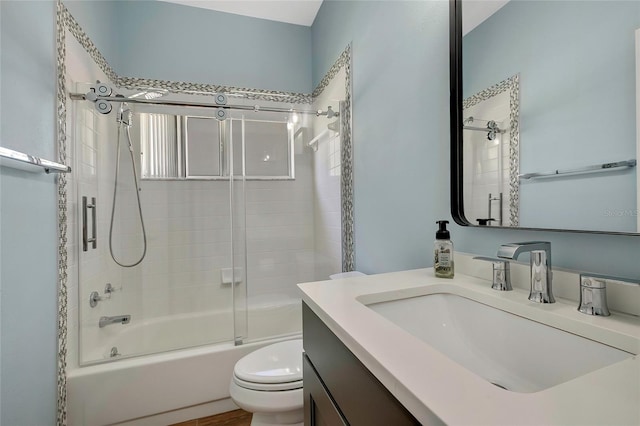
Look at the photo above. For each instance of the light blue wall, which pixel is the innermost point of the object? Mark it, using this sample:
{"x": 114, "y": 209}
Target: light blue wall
{"x": 154, "y": 39}
{"x": 173, "y": 42}
{"x": 576, "y": 61}
{"x": 401, "y": 142}
{"x": 28, "y": 269}
{"x": 400, "y": 123}
{"x": 98, "y": 19}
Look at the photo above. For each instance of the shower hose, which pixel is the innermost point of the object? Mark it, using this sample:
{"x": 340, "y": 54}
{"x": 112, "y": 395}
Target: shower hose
{"x": 122, "y": 124}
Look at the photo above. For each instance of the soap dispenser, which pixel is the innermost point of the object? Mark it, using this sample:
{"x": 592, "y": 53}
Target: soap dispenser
{"x": 443, "y": 252}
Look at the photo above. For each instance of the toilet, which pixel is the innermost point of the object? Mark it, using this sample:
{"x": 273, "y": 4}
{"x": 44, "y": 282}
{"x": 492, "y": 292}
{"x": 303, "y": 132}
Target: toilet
{"x": 268, "y": 383}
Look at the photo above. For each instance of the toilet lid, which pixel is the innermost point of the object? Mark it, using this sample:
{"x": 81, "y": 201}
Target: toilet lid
{"x": 277, "y": 363}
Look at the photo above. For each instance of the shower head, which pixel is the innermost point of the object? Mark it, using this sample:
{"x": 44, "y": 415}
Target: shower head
{"x": 125, "y": 116}
{"x": 334, "y": 126}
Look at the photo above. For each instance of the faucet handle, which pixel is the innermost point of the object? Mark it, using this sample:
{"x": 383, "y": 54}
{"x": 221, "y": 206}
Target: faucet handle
{"x": 501, "y": 273}
{"x": 593, "y": 293}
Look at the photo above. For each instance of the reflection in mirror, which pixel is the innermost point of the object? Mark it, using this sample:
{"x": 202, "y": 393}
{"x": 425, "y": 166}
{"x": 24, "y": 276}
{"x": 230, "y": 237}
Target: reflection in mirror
{"x": 549, "y": 115}
{"x": 490, "y": 145}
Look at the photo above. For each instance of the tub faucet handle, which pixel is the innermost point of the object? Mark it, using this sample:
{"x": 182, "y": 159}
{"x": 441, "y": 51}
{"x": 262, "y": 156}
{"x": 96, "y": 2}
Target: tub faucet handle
{"x": 95, "y": 297}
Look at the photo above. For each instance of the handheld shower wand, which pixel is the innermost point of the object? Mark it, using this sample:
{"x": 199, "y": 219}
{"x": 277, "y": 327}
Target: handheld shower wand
{"x": 124, "y": 120}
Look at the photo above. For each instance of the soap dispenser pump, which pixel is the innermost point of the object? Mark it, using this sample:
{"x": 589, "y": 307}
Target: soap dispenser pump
{"x": 443, "y": 252}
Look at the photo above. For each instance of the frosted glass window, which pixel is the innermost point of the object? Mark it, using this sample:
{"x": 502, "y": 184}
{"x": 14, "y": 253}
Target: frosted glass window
{"x": 267, "y": 148}
{"x": 188, "y": 147}
{"x": 159, "y": 146}
{"x": 203, "y": 147}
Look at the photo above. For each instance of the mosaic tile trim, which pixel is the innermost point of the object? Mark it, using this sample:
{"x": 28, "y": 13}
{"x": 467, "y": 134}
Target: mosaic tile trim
{"x": 343, "y": 60}
{"x": 514, "y": 151}
{"x": 511, "y": 84}
{"x": 173, "y": 86}
{"x": 76, "y": 30}
{"x": 61, "y": 113}
{"x": 211, "y": 89}
{"x": 346, "y": 175}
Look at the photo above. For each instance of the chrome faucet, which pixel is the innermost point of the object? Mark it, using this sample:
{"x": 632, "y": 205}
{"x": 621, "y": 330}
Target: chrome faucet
{"x": 540, "y": 267}
{"x": 118, "y": 319}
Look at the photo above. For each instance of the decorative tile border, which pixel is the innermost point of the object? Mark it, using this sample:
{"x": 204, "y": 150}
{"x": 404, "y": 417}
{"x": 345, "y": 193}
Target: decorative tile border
{"x": 61, "y": 128}
{"x": 212, "y": 89}
{"x": 172, "y": 86}
{"x": 76, "y": 30}
{"x": 511, "y": 84}
{"x": 344, "y": 60}
{"x": 346, "y": 147}
{"x": 65, "y": 21}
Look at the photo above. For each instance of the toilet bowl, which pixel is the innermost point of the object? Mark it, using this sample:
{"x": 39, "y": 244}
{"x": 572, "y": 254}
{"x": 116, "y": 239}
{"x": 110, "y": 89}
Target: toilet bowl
{"x": 268, "y": 383}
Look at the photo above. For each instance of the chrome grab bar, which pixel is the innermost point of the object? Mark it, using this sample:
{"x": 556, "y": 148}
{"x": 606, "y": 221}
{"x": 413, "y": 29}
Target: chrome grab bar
{"x": 85, "y": 238}
{"x": 499, "y": 199}
{"x": 20, "y": 160}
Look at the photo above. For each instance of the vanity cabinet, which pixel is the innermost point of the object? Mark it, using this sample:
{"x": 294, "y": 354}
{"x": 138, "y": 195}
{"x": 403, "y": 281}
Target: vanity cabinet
{"x": 338, "y": 388}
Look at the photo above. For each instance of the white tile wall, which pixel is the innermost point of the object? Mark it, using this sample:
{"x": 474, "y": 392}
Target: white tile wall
{"x": 292, "y": 229}
{"x": 326, "y": 170}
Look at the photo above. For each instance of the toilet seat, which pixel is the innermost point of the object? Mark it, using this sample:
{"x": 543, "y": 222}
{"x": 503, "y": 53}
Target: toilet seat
{"x": 267, "y": 386}
{"x": 274, "y": 367}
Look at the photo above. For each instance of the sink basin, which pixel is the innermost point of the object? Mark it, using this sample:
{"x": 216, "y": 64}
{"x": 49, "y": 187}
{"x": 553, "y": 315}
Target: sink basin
{"x": 507, "y": 350}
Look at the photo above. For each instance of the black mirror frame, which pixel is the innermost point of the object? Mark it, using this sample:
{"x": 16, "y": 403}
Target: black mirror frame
{"x": 455, "y": 100}
{"x": 456, "y": 118}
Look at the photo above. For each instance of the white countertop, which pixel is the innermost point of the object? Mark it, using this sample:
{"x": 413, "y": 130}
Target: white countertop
{"x": 435, "y": 389}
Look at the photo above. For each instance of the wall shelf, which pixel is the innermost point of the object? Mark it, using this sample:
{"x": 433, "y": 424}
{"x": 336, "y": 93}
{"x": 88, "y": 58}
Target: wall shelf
{"x": 604, "y": 167}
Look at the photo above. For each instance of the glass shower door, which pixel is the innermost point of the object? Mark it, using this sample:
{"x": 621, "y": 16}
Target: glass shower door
{"x": 276, "y": 239}
{"x": 181, "y": 292}
{"x": 233, "y": 134}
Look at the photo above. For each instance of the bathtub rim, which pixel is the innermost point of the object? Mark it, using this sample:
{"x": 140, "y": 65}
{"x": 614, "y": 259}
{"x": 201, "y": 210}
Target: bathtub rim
{"x": 132, "y": 361}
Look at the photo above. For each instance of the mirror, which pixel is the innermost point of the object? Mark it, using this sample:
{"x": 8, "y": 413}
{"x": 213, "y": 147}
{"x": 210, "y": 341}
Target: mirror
{"x": 544, "y": 116}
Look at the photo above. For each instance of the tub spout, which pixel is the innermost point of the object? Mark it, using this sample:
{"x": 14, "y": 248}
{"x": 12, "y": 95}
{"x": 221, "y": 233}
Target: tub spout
{"x": 118, "y": 319}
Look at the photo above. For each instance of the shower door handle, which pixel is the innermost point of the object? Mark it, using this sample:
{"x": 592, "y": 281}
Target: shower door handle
{"x": 85, "y": 238}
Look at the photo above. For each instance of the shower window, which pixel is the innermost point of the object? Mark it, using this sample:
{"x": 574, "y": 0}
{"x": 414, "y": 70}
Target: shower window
{"x": 267, "y": 149}
{"x": 160, "y": 146}
{"x": 178, "y": 147}
{"x": 203, "y": 148}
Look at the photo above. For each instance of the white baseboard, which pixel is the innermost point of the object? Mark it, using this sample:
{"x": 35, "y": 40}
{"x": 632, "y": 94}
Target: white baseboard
{"x": 184, "y": 414}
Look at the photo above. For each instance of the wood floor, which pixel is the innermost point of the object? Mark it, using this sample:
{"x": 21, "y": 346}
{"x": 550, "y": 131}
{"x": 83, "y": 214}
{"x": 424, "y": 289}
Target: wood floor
{"x": 231, "y": 418}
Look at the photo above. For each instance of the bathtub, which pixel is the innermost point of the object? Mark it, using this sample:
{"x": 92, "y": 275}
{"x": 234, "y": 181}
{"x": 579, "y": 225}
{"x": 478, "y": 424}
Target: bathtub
{"x": 170, "y": 384}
